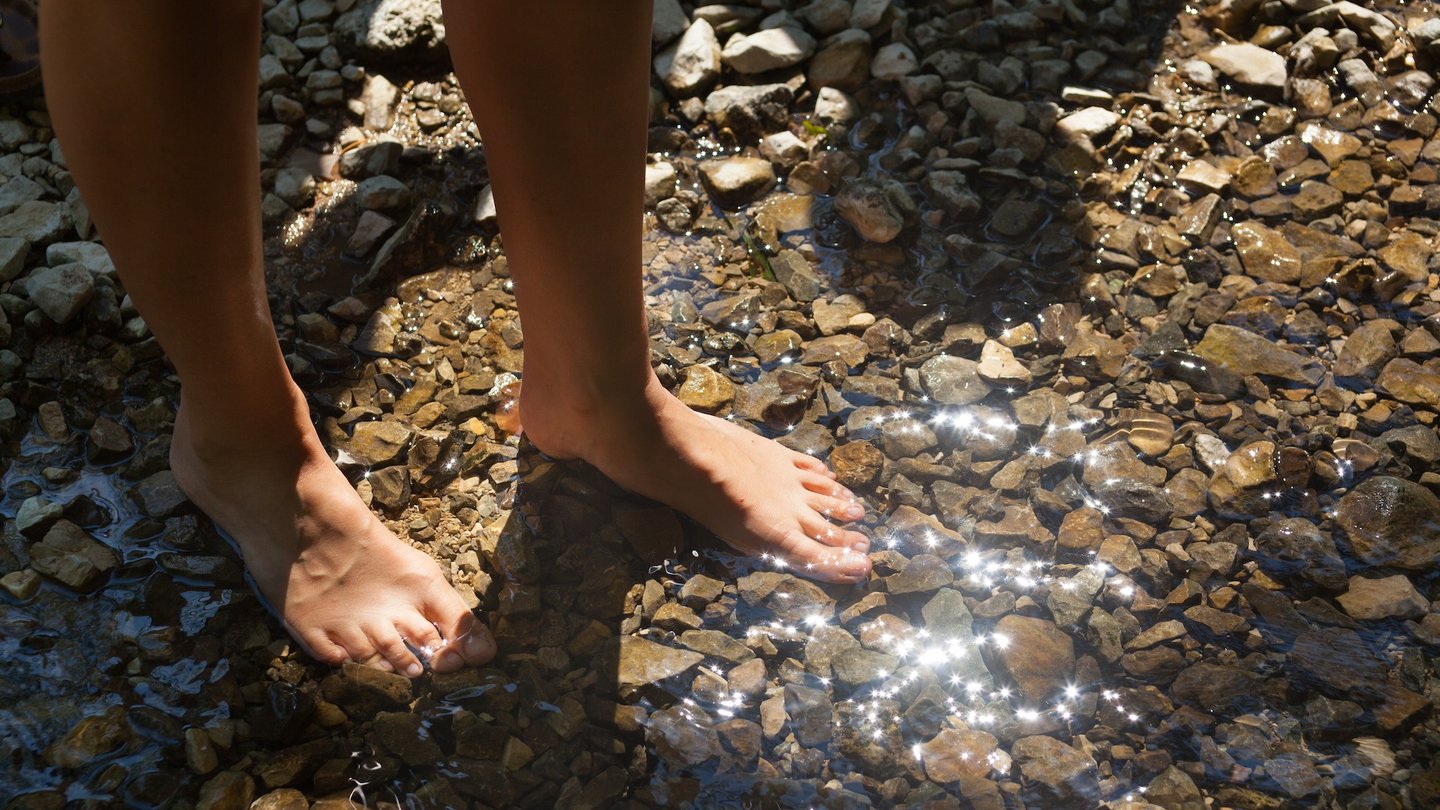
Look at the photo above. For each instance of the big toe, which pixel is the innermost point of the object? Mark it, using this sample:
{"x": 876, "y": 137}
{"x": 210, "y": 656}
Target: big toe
{"x": 833, "y": 557}
{"x": 468, "y": 641}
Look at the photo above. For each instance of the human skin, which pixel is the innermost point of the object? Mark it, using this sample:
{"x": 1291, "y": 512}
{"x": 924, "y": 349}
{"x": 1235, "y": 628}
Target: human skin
{"x": 154, "y": 107}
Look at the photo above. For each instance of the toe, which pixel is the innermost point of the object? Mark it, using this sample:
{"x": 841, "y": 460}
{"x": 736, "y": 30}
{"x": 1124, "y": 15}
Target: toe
{"x": 824, "y": 486}
{"x": 467, "y": 641}
{"x": 388, "y": 641}
{"x": 356, "y": 643}
{"x": 844, "y": 509}
{"x": 418, "y": 632}
{"x": 817, "y": 560}
{"x": 812, "y": 464}
{"x": 322, "y": 648}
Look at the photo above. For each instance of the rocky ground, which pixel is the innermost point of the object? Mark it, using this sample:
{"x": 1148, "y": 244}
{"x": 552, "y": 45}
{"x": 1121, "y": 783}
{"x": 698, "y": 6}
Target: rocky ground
{"x": 1122, "y": 316}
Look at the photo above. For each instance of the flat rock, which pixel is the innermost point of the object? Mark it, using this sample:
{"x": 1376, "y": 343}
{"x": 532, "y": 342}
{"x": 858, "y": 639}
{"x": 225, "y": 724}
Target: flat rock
{"x": 771, "y": 49}
{"x": 1039, "y": 656}
{"x": 1248, "y": 64}
{"x": 1392, "y": 597}
{"x": 1244, "y": 352}
{"x": 877, "y": 210}
{"x": 953, "y": 380}
{"x": 953, "y": 755}
{"x": 642, "y": 662}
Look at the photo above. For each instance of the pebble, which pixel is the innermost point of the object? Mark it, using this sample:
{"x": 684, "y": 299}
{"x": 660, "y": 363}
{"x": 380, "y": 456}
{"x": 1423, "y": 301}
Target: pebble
{"x": 61, "y": 292}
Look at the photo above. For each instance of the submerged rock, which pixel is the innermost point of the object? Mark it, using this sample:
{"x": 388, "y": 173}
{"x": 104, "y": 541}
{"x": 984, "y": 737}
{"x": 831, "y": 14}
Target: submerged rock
{"x": 1391, "y": 521}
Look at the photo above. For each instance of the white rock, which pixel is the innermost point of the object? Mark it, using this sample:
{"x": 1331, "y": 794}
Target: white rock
{"x": 771, "y": 49}
{"x": 784, "y": 148}
{"x": 667, "y": 22}
{"x": 61, "y": 292}
{"x": 272, "y": 72}
{"x": 691, "y": 64}
{"x": 371, "y": 228}
{"x": 382, "y": 193}
{"x": 379, "y": 98}
{"x": 484, "y": 211}
{"x": 659, "y": 182}
{"x": 1248, "y": 64}
{"x": 295, "y": 186}
{"x": 91, "y": 254}
{"x": 825, "y": 16}
{"x": 835, "y": 105}
{"x": 893, "y": 61}
{"x": 1204, "y": 175}
{"x": 1086, "y": 124}
{"x": 1357, "y": 18}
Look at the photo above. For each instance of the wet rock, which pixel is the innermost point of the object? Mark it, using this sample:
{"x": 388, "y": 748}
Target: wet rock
{"x": 856, "y": 666}
{"x": 834, "y": 316}
{"x": 733, "y": 182}
{"x": 923, "y": 573}
{"x": 1064, "y": 774}
{"x": 706, "y": 390}
{"x": 1215, "y": 687}
{"x": 1391, "y": 521}
{"x": 1295, "y": 546}
{"x": 1244, "y": 352}
{"x": 404, "y": 736}
{"x": 999, "y": 366}
{"x": 71, "y": 556}
{"x": 953, "y": 755}
{"x": 1366, "y": 351}
{"x": 992, "y": 109}
{"x": 799, "y": 278}
{"x": 89, "y": 740}
{"x": 716, "y": 644}
{"x": 363, "y": 691}
{"x": 1384, "y": 598}
{"x": 1037, "y": 655}
{"x": 282, "y": 799}
{"x": 856, "y": 464}
{"x": 953, "y": 380}
{"x": 1411, "y": 382}
{"x": 812, "y": 716}
{"x": 61, "y": 292}
{"x": 1173, "y": 789}
{"x": 227, "y": 790}
{"x": 295, "y": 764}
{"x": 380, "y": 442}
{"x": 1266, "y": 254}
{"x": 878, "y": 209}
{"x": 1248, "y": 64}
{"x": 950, "y": 622}
{"x": 382, "y": 193}
{"x": 791, "y": 599}
{"x": 641, "y": 662}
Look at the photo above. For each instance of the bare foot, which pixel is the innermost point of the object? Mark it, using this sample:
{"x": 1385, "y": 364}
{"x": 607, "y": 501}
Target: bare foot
{"x": 346, "y": 588}
{"x": 753, "y": 493}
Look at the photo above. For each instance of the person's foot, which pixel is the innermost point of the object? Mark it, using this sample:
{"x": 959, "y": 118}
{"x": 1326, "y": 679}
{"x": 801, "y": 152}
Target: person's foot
{"x": 346, "y": 588}
{"x": 755, "y": 494}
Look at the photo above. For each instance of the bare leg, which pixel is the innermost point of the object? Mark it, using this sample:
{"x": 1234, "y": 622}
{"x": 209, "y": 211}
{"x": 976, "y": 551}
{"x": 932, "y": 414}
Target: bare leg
{"x": 155, "y": 105}
{"x": 558, "y": 88}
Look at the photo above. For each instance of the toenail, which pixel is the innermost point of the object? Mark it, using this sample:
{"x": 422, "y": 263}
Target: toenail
{"x": 855, "y": 511}
{"x": 478, "y": 644}
{"x": 413, "y": 670}
{"x": 861, "y": 546}
{"x": 450, "y": 661}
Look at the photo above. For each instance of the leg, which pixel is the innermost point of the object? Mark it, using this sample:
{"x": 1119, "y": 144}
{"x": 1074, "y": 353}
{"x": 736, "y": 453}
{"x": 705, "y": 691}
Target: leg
{"x": 158, "y": 125}
{"x": 558, "y": 88}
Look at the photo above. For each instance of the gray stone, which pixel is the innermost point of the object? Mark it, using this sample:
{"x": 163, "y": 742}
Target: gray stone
{"x": 61, "y": 292}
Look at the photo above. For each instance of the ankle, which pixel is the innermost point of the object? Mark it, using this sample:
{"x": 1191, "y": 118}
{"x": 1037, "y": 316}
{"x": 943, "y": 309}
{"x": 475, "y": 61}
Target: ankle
{"x": 278, "y": 426}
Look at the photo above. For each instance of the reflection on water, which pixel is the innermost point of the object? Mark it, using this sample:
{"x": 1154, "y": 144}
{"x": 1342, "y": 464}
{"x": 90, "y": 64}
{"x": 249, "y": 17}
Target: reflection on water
{"x": 1130, "y": 550}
